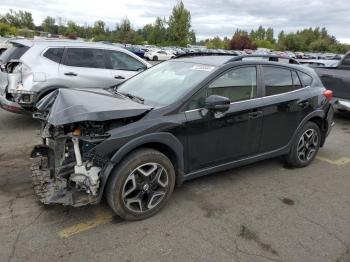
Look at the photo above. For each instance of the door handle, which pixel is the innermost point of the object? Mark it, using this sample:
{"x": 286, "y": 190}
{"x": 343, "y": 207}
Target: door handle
{"x": 70, "y": 74}
{"x": 256, "y": 114}
{"x": 119, "y": 77}
{"x": 303, "y": 104}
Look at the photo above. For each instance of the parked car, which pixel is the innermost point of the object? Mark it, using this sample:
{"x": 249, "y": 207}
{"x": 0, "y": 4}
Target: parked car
{"x": 33, "y": 68}
{"x": 179, "y": 120}
{"x": 337, "y": 79}
{"x": 156, "y": 55}
{"x": 318, "y": 62}
{"x": 137, "y": 51}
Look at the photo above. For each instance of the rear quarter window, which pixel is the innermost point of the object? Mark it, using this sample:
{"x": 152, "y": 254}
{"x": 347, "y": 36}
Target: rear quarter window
{"x": 307, "y": 80}
{"x": 54, "y": 54}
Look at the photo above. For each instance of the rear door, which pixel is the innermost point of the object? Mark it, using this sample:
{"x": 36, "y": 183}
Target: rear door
{"x": 285, "y": 103}
{"x": 85, "y": 68}
{"x": 122, "y": 66}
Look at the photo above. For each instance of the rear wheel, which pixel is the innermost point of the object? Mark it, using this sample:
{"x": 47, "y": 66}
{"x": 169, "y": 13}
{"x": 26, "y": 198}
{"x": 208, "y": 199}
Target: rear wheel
{"x": 155, "y": 58}
{"x": 305, "y": 146}
{"x": 141, "y": 185}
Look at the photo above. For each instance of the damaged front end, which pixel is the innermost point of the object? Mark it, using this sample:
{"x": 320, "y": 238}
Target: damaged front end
{"x": 66, "y": 170}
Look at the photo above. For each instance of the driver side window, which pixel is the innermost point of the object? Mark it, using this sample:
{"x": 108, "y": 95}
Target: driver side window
{"x": 237, "y": 84}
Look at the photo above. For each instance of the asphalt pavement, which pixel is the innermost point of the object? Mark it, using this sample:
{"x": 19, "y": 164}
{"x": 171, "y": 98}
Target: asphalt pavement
{"x": 262, "y": 212}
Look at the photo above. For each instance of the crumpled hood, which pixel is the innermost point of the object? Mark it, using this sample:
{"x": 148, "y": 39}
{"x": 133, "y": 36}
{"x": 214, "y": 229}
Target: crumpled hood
{"x": 72, "y": 105}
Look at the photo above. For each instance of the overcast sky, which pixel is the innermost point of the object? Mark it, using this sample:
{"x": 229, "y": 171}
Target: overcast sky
{"x": 209, "y": 17}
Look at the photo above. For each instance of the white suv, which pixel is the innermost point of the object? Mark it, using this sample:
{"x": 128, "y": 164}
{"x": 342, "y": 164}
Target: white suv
{"x": 33, "y": 68}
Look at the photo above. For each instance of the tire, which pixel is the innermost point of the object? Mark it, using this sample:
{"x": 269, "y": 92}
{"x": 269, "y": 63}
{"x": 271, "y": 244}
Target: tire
{"x": 135, "y": 196}
{"x": 305, "y": 146}
{"x": 155, "y": 58}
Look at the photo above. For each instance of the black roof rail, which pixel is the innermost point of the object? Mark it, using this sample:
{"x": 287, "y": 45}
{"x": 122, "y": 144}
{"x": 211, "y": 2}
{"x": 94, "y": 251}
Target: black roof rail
{"x": 204, "y": 54}
{"x": 273, "y": 58}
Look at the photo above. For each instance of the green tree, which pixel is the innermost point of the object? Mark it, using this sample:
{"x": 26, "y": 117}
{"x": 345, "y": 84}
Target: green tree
{"x": 99, "y": 27}
{"x": 180, "y": 25}
{"x": 192, "y": 37}
{"x": 20, "y": 19}
{"x": 320, "y": 45}
{"x": 157, "y": 33}
{"x": 269, "y": 36}
{"x": 281, "y": 41}
{"x": 215, "y": 43}
{"x": 7, "y": 30}
{"x": 71, "y": 30}
{"x": 49, "y": 25}
{"x": 124, "y": 31}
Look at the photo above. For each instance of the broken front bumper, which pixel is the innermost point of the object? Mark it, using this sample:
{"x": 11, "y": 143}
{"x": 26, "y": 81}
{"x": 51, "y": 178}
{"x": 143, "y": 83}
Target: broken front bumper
{"x": 62, "y": 176}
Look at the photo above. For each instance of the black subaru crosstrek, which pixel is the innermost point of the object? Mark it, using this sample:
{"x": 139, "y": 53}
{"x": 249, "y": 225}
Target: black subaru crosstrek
{"x": 180, "y": 119}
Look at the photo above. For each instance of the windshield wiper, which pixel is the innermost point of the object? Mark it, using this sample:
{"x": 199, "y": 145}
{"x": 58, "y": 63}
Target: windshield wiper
{"x": 130, "y": 96}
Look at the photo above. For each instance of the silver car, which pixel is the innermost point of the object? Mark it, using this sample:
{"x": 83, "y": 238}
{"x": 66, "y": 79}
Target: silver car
{"x": 33, "y": 68}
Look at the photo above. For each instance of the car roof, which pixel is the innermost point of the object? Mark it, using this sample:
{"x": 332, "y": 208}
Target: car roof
{"x": 220, "y": 60}
{"x": 206, "y": 60}
{"x": 63, "y": 42}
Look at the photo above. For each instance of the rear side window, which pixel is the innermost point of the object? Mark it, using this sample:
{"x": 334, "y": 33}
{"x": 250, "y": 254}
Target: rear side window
{"x": 277, "y": 80}
{"x": 85, "y": 57}
{"x": 13, "y": 53}
{"x": 122, "y": 61}
{"x": 296, "y": 81}
{"x": 54, "y": 54}
{"x": 307, "y": 80}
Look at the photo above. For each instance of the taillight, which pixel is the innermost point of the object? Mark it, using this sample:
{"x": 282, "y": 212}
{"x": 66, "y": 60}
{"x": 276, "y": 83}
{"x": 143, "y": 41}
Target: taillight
{"x": 328, "y": 94}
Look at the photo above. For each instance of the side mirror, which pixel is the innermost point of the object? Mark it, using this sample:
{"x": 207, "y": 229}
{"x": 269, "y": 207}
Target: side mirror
{"x": 217, "y": 103}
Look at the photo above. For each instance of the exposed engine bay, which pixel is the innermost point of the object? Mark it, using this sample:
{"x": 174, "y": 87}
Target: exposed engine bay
{"x": 65, "y": 169}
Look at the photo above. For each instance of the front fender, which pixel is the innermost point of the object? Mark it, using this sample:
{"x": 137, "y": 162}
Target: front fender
{"x": 163, "y": 138}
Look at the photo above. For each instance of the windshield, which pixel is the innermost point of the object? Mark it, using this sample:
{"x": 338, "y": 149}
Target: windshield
{"x": 166, "y": 82}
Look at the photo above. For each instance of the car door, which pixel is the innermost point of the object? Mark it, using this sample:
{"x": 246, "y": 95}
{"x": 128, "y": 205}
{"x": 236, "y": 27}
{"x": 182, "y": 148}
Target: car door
{"x": 122, "y": 66}
{"x": 84, "y": 68}
{"x": 214, "y": 139}
{"x": 285, "y": 103}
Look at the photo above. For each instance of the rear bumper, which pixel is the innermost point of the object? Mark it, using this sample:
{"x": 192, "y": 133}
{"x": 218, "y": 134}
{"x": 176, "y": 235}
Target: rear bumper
{"x": 11, "y": 106}
{"x": 329, "y": 119}
{"x": 341, "y": 104}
